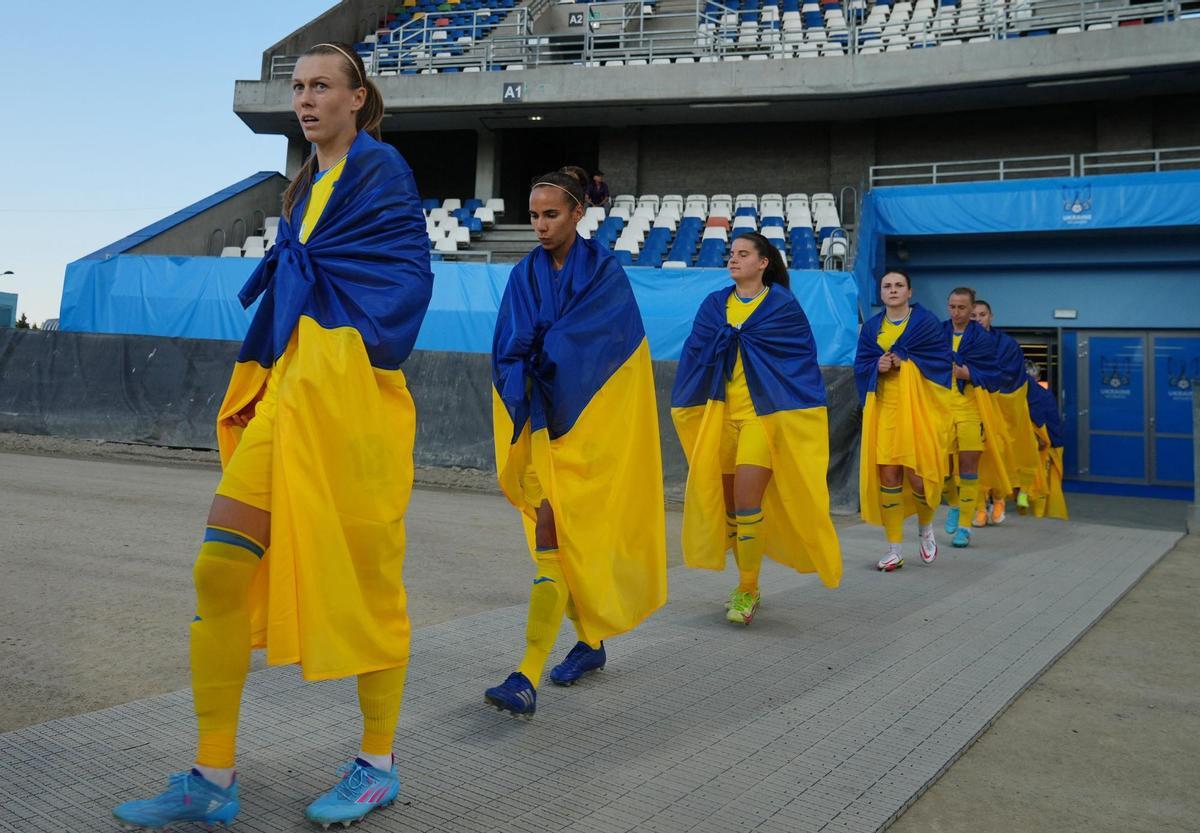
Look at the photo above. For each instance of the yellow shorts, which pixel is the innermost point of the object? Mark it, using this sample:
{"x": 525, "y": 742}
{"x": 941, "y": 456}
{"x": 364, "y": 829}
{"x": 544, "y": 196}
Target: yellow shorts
{"x": 744, "y": 443}
{"x": 968, "y": 424}
{"x": 532, "y": 487}
{"x": 887, "y": 405}
{"x": 247, "y": 478}
{"x": 968, "y": 434}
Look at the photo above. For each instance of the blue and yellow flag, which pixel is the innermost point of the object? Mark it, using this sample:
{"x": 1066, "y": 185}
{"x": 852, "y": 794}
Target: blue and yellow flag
{"x": 977, "y": 352}
{"x": 779, "y": 355}
{"x": 920, "y": 423}
{"x": 338, "y": 315}
{"x": 1025, "y": 469}
{"x": 574, "y": 412}
{"x": 1043, "y": 412}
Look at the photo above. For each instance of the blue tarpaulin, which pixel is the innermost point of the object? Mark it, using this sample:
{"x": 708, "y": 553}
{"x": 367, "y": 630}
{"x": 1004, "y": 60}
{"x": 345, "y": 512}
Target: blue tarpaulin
{"x": 196, "y": 297}
{"x": 1112, "y": 201}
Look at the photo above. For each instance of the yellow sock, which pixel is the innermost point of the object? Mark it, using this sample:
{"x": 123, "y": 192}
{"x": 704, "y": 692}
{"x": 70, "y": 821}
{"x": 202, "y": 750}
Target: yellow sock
{"x": 220, "y": 640}
{"x": 892, "y": 508}
{"x": 573, "y": 615}
{"x": 1026, "y": 479}
{"x": 731, "y": 531}
{"x": 925, "y": 512}
{"x": 950, "y": 490}
{"x": 968, "y": 490}
{"x": 749, "y": 549}
{"x": 547, "y": 603}
{"x": 379, "y": 696}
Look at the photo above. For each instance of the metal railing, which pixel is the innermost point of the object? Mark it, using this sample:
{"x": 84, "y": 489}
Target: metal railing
{"x": 972, "y": 170}
{"x": 622, "y": 30}
{"x": 1139, "y": 161}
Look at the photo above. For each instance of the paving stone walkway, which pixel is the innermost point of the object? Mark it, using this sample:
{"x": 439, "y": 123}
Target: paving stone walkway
{"x": 832, "y": 712}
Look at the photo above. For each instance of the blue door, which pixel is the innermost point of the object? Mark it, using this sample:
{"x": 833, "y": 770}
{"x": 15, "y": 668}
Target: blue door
{"x": 1135, "y": 406}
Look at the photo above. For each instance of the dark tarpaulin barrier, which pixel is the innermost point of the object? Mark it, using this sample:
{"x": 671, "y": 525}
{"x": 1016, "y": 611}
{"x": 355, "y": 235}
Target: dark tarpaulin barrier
{"x": 165, "y": 391}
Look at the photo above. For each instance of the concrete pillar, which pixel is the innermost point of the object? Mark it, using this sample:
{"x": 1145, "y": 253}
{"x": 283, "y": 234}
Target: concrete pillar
{"x": 487, "y": 164}
{"x": 297, "y": 152}
{"x": 618, "y": 158}
{"x": 851, "y": 155}
{"x": 1124, "y": 125}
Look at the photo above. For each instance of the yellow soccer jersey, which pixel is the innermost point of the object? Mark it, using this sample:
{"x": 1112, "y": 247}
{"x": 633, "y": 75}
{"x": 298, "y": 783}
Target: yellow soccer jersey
{"x": 890, "y": 332}
{"x": 322, "y": 189}
{"x": 737, "y": 394}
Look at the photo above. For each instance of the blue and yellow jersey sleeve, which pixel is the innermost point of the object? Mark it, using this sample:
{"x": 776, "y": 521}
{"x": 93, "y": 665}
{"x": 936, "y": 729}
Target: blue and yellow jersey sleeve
{"x": 737, "y": 393}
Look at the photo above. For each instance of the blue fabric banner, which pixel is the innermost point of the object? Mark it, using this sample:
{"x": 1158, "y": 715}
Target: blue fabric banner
{"x": 196, "y": 297}
{"x": 1170, "y": 198}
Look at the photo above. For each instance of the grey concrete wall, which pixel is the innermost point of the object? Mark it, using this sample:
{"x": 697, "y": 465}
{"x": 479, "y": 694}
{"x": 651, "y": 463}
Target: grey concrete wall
{"x": 991, "y": 134}
{"x": 751, "y": 157}
{"x": 1177, "y": 121}
{"x": 618, "y": 158}
{"x": 236, "y": 217}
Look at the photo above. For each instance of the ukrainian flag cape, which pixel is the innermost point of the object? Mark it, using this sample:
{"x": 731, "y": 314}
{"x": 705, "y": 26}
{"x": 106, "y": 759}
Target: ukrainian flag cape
{"x": 340, "y": 313}
{"x": 779, "y": 356}
{"x": 1024, "y": 460}
{"x": 574, "y": 399}
{"x": 923, "y": 417}
{"x": 977, "y": 352}
{"x": 1043, "y": 411}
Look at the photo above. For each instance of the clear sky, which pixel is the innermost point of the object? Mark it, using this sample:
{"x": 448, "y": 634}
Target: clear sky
{"x": 115, "y": 114}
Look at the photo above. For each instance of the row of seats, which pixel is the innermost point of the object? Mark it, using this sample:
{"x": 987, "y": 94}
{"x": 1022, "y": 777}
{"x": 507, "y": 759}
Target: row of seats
{"x": 255, "y": 245}
{"x": 696, "y": 230}
{"x": 447, "y": 28}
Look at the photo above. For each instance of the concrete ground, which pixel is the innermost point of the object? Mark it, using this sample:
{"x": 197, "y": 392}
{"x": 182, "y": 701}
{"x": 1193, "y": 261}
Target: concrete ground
{"x": 1106, "y": 740}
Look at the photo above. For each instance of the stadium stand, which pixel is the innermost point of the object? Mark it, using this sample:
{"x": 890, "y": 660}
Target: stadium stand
{"x": 671, "y": 231}
{"x": 431, "y": 37}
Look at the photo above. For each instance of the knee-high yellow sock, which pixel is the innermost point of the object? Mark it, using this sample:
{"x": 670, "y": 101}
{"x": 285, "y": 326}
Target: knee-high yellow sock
{"x": 925, "y": 512}
{"x": 968, "y": 490}
{"x": 950, "y": 490}
{"x": 731, "y": 532}
{"x": 547, "y": 602}
{"x": 379, "y": 696}
{"x": 220, "y": 640}
{"x": 1026, "y": 478}
{"x": 892, "y": 508}
{"x": 749, "y": 549}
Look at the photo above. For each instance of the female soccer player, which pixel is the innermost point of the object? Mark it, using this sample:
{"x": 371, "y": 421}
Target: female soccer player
{"x": 976, "y": 422}
{"x": 577, "y": 450}
{"x": 749, "y": 407}
{"x": 1047, "y": 422}
{"x": 304, "y": 547}
{"x": 903, "y": 370}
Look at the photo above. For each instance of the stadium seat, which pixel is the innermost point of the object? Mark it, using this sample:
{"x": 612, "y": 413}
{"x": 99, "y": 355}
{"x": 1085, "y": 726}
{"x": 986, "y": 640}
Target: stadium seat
{"x": 445, "y": 245}
{"x": 496, "y": 205}
{"x": 231, "y": 251}
{"x": 452, "y": 204}
{"x": 674, "y": 264}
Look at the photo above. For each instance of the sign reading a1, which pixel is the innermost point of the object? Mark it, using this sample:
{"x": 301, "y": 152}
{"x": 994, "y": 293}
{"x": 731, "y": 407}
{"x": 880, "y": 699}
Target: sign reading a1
{"x": 514, "y": 93}
{"x": 575, "y": 19}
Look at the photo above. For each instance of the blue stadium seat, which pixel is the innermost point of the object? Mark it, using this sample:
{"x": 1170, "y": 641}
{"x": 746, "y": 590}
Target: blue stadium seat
{"x": 429, "y": 205}
{"x": 624, "y": 258}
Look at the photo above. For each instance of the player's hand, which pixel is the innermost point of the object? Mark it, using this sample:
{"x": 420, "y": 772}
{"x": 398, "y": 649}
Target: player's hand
{"x": 242, "y": 418}
{"x": 886, "y": 362}
{"x": 961, "y": 372}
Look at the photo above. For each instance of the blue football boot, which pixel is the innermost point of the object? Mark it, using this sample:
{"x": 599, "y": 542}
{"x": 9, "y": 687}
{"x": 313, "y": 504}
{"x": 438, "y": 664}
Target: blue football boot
{"x": 962, "y": 538}
{"x": 582, "y": 659}
{"x": 362, "y": 789}
{"x": 189, "y": 798}
{"x": 952, "y": 520}
{"x": 516, "y": 695}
